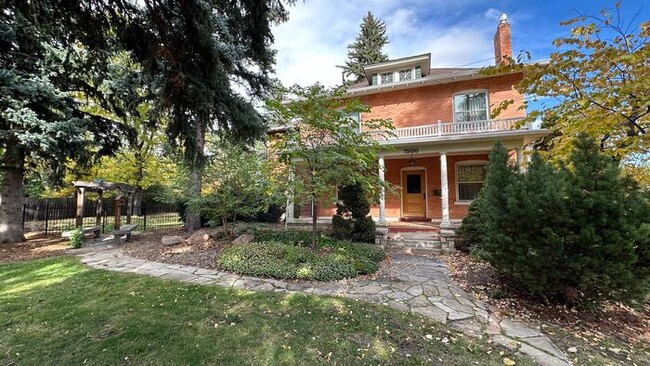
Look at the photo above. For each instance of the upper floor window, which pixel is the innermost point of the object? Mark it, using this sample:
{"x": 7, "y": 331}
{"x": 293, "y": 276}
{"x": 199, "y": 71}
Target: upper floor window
{"x": 469, "y": 179}
{"x": 387, "y": 77}
{"x": 470, "y": 107}
{"x": 405, "y": 75}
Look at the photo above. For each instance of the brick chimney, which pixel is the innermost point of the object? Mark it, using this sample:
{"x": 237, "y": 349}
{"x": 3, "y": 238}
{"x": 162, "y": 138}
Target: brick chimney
{"x": 502, "y": 41}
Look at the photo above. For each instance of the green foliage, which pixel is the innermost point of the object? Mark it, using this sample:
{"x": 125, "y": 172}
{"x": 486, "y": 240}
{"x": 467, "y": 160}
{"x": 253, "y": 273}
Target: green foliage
{"x": 470, "y": 233}
{"x": 578, "y": 233}
{"x": 284, "y": 254}
{"x": 325, "y": 145}
{"x": 351, "y": 221}
{"x": 238, "y": 183}
{"x": 76, "y": 238}
{"x": 597, "y": 80}
{"x": 366, "y": 49}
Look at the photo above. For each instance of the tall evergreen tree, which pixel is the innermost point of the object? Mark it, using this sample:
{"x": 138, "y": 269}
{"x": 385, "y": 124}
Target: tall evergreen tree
{"x": 51, "y": 52}
{"x": 366, "y": 49}
{"x": 195, "y": 50}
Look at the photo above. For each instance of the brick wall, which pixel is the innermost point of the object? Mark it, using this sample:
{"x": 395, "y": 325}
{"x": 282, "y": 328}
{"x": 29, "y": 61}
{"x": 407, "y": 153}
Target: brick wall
{"x": 428, "y": 104}
{"x": 432, "y": 166}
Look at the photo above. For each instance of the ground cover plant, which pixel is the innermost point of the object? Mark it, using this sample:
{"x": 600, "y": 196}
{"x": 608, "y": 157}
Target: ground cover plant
{"x": 287, "y": 255}
{"x": 60, "y": 311}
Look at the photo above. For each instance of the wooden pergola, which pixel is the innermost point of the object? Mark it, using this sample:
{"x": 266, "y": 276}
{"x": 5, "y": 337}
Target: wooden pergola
{"x": 122, "y": 190}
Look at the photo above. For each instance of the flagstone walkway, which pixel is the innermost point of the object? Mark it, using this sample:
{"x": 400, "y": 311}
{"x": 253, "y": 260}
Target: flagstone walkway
{"x": 410, "y": 283}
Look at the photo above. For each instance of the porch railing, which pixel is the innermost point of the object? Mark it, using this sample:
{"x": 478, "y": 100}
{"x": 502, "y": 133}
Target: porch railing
{"x": 451, "y": 128}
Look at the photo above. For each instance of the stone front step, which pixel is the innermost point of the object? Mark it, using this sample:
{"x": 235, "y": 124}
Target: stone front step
{"x": 413, "y": 251}
{"x": 413, "y": 235}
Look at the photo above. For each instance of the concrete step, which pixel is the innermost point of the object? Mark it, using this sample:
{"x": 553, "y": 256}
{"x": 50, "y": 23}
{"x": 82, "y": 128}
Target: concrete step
{"x": 413, "y": 251}
{"x": 414, "y": 243}
{"x": 413, "y": 235}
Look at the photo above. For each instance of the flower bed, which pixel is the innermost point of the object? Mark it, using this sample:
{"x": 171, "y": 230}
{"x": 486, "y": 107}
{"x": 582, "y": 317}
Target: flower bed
{"x": 286, "y": 255}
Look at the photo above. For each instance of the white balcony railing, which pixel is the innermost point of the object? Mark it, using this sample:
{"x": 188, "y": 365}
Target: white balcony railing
{"x": 451, "y": 128}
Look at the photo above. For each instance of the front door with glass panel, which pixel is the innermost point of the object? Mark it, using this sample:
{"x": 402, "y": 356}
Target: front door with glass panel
{"x": 413, "y": 194}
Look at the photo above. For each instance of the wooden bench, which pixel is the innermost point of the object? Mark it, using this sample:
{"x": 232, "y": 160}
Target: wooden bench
{"x": 124, "y": 230}
{"x": 96, "y": 230}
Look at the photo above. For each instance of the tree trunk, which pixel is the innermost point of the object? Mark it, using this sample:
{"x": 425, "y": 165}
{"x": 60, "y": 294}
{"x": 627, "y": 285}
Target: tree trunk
{"x": 11, "y": 196}
{"x": 314, "y": 219}
{"x": 193, "y": 219}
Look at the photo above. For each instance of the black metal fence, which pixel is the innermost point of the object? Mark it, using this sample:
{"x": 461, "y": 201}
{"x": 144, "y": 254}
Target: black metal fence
{"x": 56, "y": 215}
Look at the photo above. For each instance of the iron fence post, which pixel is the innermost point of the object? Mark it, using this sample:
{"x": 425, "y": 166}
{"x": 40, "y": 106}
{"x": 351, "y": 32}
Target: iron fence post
{"x": 47, "y": 215}
{"x": 144, "y": 217}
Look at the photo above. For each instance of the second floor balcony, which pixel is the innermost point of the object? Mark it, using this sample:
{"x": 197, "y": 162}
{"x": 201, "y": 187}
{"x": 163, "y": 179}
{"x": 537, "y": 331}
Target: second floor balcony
{"x": 441, "y": 129}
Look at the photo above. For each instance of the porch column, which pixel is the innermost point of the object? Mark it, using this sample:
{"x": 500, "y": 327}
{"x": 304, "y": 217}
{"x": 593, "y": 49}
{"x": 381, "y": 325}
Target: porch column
{"x": 289, "y": 211}
{"x": 444, "y": 188}
{"x": 382, "y": 193}
{"x": 81, "y": 197}
{"x": 520, "y": 159}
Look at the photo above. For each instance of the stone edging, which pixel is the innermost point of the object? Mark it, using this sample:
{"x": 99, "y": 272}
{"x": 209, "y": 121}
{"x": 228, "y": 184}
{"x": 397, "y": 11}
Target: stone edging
{"x": 417, "y": 284}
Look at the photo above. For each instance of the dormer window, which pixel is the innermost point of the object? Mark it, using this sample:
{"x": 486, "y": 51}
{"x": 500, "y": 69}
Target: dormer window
{"x": 405, "y": 75}
{"x": 387, "y": 78}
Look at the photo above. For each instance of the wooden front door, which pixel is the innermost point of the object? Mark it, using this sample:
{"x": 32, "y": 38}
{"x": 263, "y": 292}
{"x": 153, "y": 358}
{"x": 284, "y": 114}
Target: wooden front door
{"x": 413, "y": 194}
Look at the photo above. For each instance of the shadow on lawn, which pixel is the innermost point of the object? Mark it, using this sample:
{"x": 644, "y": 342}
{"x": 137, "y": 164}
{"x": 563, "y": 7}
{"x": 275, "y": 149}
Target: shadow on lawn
{"x": 60, "y": 311}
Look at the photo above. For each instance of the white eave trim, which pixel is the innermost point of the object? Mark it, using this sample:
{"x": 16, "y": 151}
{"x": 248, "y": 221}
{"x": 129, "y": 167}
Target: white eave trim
{"x": 479, "y": 136}
{"x": 442, "y": 79}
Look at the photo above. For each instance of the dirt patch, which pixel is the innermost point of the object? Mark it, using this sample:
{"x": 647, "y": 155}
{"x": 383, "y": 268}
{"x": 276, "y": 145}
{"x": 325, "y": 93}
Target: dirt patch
{"x": 149, "y": 246}
{"x": 614, "y": 331}
{"x": 36, "y": 245}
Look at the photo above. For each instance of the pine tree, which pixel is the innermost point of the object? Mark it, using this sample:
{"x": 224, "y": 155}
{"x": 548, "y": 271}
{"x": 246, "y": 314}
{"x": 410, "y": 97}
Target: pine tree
{"x": 366, "y": 49}
{"x": 605, "y": 236}
{"x": 499, "y": 181}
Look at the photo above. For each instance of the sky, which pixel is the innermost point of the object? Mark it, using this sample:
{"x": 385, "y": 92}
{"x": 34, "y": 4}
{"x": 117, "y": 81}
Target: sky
{"x": 457, "y": 33}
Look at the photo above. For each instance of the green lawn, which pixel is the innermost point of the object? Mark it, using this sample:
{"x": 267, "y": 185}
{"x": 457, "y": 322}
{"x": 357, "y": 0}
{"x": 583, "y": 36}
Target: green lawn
{"x": 58, "y": 311}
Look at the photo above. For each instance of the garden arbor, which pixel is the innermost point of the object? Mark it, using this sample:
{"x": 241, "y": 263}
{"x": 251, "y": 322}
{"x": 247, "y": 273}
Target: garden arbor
{"x": 124, "y": 195}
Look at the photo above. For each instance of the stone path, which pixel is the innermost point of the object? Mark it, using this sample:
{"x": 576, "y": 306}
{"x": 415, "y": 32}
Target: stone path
{"x": 410, "y": 283}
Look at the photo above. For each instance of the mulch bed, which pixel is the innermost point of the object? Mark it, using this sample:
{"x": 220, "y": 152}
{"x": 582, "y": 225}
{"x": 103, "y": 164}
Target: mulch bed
{"x": 36, "y": 245}
{"x": 149, "y": 246}
{"x": 611, "y": 320}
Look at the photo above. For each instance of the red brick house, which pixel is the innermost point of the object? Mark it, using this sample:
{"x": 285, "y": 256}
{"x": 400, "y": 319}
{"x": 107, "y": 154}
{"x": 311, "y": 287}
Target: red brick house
{"x": 444, "y": 134}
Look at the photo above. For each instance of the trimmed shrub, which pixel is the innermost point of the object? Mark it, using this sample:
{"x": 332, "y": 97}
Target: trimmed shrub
{"x": 351, "y": 221}
{"x": 293, "y": 259}
{"x": 76, "y": 238}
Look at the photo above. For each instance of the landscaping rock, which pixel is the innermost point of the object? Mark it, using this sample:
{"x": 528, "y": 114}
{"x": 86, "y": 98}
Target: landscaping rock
{"x": 243, "y": 239}
{"x": 172, "y": 240}
{"x": 199, "y": 237}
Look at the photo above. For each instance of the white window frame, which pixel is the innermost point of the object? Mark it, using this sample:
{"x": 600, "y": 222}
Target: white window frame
{"x": 472, "y": 91}
{"x": 399, "y": 74}
{"x": 457, "y": 182}
{"x": 381, "y": 77}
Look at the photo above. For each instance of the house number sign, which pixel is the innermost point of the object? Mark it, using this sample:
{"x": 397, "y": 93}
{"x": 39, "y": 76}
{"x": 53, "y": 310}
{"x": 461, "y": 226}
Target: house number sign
{"x": 411, "y": 150}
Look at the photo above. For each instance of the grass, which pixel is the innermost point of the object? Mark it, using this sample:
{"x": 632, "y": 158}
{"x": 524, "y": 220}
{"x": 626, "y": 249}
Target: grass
{"x": 286, "y": 255}
{"x": 61, "y": 312}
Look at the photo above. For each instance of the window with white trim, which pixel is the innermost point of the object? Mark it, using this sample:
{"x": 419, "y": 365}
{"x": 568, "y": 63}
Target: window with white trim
{"x": 387, "y": 77}
{"x": 471, "y": 107}
{"x": 470, "y": 177}
{"x": 405, "y": 75}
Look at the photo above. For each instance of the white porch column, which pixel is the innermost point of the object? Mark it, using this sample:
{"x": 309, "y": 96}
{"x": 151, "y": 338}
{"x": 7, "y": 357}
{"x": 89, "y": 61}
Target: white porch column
{"x": 444, "y": 187}
{"x": 289, "y": 211}
{"x": 382, "y": 193}
{"x": 520, "y": 159}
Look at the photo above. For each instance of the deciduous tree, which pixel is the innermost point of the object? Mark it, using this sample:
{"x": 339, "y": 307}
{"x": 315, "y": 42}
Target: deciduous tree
{"x": 326, "y": 143}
